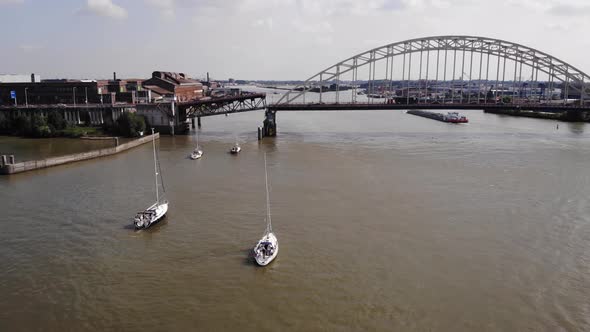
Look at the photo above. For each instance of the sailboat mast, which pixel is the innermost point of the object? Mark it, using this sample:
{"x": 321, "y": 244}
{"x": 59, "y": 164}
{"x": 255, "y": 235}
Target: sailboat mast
{"x": 269, "y": 226}
{"x": 155, "y": 166}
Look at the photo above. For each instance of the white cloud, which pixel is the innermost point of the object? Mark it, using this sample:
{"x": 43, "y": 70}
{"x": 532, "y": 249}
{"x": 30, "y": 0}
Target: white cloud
{"x": 557, "y": 27}
{"x": 11, "y": 2}
{"x": 312, "y": 27}
{"x": 30, "y": 48}
{"x": 569, "y": 10}
{"x": 105, "y": 8}
{"x": 167, "y": 8}
{"x": 264, "y": 22}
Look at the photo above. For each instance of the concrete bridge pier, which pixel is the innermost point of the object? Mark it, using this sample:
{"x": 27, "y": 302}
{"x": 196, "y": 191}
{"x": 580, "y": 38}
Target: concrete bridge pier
{"x": 192, "y": 123}
{"x": 95, "y": 117}
{"x": 270, "y": 124}
{"x": 199, "y": 121}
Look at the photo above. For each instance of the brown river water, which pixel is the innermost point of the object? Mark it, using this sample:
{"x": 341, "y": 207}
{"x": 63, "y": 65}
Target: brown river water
{"x": 386, "y": 222}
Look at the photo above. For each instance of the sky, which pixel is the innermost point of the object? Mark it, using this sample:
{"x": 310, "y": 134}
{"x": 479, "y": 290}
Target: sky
{"x": 262, "y": 39}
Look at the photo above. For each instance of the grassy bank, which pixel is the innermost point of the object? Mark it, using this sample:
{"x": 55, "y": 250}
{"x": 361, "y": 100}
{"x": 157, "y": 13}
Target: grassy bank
{"x": 76, "y": 132}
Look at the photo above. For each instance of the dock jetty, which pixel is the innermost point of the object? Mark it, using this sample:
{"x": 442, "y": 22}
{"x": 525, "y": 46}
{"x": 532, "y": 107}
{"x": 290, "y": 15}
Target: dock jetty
{"x": 8, "y": 165}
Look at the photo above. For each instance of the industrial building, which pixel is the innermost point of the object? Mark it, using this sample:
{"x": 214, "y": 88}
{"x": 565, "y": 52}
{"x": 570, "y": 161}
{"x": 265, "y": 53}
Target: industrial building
{"x": 50, "y": 92}
{"x": 162, "y": 86}
{"x": 19, "y": 78}
{"x": 176, "y": 86}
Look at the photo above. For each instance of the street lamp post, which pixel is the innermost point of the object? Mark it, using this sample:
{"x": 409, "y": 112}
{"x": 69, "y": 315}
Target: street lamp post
{"x": 26, "y": 98}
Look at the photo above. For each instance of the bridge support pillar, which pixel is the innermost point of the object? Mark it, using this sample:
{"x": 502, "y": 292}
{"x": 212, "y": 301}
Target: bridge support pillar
{"x": 198, "y": 122}
{"x": 193, "y": 123}
{"x": 270, "y": 124}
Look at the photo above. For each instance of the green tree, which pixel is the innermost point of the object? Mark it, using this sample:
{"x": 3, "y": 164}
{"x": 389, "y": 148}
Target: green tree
{"x": 39, "y": 126}
{"x": 130, "y": 125}
{"x": 5, "y": 124}
{"x": 56, "y": 121}
{"x": 21, "y": 125}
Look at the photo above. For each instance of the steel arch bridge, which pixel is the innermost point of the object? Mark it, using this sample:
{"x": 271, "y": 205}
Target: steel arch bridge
{"x": 431, "y": 71}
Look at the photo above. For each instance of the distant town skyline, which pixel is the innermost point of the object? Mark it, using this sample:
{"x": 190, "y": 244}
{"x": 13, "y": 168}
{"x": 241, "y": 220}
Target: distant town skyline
{"x": 258, "y": 39}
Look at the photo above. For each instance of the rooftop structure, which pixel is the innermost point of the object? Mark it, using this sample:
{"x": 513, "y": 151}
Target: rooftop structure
{"x": 166, "y": 85}
{"x": 19, "y": 78}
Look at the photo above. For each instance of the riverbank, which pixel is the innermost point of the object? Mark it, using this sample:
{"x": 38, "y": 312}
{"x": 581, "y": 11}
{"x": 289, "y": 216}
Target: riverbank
{"x": 568, "y": 116}
{"x": 9, "y": 166}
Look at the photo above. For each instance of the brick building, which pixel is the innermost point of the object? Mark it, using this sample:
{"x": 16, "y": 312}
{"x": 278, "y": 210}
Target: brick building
{"x": 124, "y": 90}
{"x": 168, "y": 85}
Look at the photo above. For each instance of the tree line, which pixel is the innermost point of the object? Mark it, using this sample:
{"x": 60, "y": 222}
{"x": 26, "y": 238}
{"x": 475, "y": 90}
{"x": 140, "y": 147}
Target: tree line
{"x": 54, "y": 125}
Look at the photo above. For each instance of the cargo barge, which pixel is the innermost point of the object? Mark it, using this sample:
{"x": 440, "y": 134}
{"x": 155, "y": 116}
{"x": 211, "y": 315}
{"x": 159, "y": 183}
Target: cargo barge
{"x": 450, "y": 117}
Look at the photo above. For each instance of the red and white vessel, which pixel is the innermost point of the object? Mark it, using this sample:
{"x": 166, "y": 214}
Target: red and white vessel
{"x": 455, "y": 117}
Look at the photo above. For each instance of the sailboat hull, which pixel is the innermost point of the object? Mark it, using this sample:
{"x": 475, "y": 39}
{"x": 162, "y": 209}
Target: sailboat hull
{"x": 266, "y": 250}
{"x": 151, "y": 215}
{"x": 196, "y": 155}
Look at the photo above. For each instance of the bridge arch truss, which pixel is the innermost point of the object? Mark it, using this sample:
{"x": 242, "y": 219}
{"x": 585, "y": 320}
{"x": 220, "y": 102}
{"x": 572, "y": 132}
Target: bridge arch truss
{"x": 425, "y": 62}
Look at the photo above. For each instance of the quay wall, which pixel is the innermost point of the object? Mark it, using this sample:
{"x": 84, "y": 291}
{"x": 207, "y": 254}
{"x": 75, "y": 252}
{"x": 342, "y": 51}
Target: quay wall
{"x": 8, "y": 168}
{"x": 568, "y": 116}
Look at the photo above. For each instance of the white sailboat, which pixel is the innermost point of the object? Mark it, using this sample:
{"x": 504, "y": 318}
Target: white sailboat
{"x": 236, "y": 148}
{"x": 157, "y": 211}
{"x": 267, "y": 248}
{"x": 197, "y": 152}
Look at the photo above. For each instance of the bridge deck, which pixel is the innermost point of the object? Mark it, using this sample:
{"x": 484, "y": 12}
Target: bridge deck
{"x": 245, "y": 102}
{"x": 200, "y": 102}
{"x": 383, "y": 106}
{"x": 242, "y": 97}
